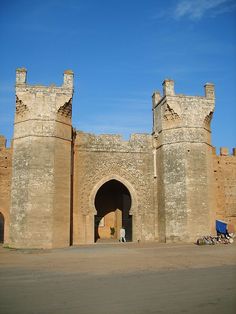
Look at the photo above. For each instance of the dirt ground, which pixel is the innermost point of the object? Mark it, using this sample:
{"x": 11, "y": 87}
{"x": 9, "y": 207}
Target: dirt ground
{"x": 117, "y": 278}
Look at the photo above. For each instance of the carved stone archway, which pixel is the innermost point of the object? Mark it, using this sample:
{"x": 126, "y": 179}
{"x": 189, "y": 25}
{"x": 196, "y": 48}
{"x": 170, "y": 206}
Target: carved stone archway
{"x": 134, "y": 203}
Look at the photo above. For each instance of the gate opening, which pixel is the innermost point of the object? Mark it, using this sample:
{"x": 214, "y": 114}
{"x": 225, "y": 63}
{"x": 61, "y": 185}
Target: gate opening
{"x": 1, "y": 228}
{"x": 112, "y": 202}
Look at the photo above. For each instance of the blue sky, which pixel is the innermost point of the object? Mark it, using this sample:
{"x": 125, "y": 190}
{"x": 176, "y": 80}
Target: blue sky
{"x": 120, "y": 52}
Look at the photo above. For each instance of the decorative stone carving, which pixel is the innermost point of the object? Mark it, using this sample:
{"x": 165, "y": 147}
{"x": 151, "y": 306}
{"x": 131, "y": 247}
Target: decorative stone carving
{"x": 21, "y": 108}
{"x": 66, "y": 109}
{"x": 207, "y": 120}
{"x": 170, "y": 114}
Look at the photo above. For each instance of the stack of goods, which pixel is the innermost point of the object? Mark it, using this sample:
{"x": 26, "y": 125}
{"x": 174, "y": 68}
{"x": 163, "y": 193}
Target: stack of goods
{"x": 225, "y": 235}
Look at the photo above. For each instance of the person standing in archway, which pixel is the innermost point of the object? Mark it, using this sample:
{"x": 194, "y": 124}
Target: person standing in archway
{"x": 122, "y": 235}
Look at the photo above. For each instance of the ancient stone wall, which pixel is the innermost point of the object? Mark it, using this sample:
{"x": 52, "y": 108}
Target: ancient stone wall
{"x": 181, "y": 134}
{"x": 99, "y": 159}
{"x": 225, "y": 185}
{"x": 40, "y": 202}
{"x": 5, "y": 185}
{"x": 177, "y": 187}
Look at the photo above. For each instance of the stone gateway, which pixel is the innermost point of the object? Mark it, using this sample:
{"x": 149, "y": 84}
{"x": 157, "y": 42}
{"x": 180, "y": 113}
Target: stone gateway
{"x": 61, "y": 187}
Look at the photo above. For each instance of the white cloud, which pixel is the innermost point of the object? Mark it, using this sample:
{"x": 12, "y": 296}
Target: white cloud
{"x": 196, "y": 9}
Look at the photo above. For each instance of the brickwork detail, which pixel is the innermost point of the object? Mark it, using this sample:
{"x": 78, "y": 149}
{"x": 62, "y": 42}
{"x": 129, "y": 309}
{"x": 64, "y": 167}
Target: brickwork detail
{"x": 225, "y": 185}
{"x": 5, "y": 184}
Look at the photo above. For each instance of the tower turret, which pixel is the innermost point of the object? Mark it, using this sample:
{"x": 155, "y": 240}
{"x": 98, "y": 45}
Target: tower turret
{"x": 182, "y": 139}
{"x": 40, "y": 203}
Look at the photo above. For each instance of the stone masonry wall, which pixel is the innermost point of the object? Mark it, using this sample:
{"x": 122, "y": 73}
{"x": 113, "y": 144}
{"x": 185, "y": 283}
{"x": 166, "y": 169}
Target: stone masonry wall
{"x": 99, "y": 159}
{"x": 5, "y": 183}
{"x": 181, "y": 134}
{"x": 177, "y": 186}
{"x": 40, "y": 202}
{"x": 225, "y": 185}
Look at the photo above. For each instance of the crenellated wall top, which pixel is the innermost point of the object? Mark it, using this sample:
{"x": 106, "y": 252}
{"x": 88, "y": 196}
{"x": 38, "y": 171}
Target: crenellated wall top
{"x": 169, "y": 91}
{"x": 174, "y": 111}
{"x": 38, "y": 102}
{"x": 21, "y": 82}
{"x": 225, "y": 151}
{"x": 113, "y": 142}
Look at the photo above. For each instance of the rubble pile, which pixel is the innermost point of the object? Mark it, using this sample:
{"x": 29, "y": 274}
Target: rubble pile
{"x": 219, "y": 239}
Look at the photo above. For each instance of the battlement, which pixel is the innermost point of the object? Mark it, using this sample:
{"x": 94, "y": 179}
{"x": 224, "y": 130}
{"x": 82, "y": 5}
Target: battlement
{"x": 209, "y": 90}
{"x": 178, "y": 118}
{"x": 168, "y": 87}
{"x": 113, "y": 142}
{"x": 21, "y": 80}
{"x": 169, "y": 90}
{"x": 43, "y": 110}
{"x": 21, "y": 76}
{"x": 224, "y": 151}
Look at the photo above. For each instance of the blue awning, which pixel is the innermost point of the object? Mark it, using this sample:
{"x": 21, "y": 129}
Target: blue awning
{"x": 221, "y": 226}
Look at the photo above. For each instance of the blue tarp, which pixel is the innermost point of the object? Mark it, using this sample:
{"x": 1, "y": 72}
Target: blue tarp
{"x": 221, "y": 227}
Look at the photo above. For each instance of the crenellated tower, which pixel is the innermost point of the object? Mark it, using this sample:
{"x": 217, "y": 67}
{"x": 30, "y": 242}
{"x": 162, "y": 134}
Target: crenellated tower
{"x": 183, "y": 156}
{"x": 40, "y": 201}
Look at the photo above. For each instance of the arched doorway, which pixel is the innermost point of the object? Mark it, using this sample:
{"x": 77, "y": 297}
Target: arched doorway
{"x": 112, "y": 203}
{"x": 1, "y": 228}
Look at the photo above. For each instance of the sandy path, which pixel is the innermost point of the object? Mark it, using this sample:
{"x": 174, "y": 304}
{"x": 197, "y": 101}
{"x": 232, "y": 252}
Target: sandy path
{"x": 119, "y": 278}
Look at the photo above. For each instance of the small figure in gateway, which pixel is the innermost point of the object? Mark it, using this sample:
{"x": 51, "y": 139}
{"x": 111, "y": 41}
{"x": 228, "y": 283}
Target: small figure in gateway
{"x": 122, "y": 235}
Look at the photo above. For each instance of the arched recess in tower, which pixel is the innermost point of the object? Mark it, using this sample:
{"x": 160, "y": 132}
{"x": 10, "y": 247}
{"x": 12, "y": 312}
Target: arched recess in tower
{"x": 112, "y": 202}
{"x": 2, "y": 221}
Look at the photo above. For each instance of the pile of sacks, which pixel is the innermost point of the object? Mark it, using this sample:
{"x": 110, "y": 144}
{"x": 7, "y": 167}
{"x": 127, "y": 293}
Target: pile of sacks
{"x": 219, "y": 239}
